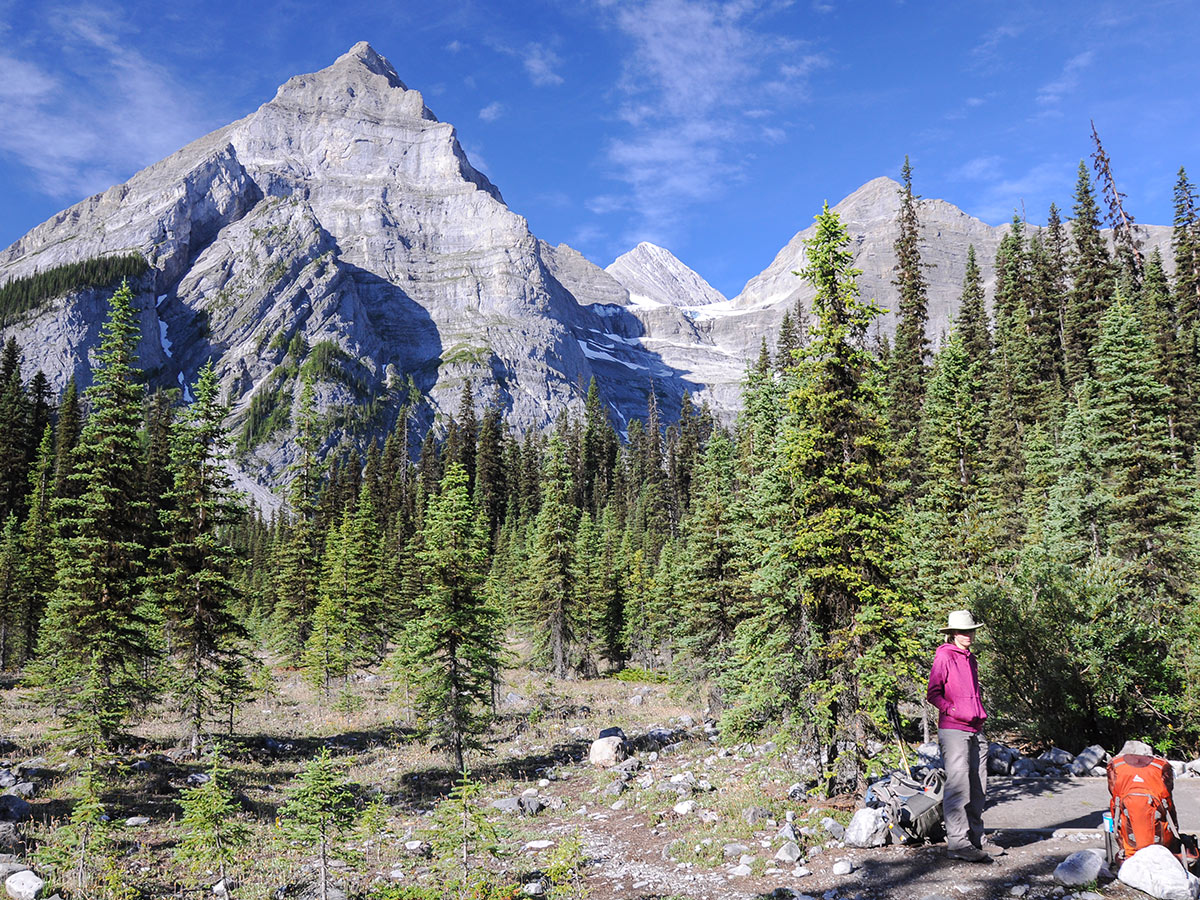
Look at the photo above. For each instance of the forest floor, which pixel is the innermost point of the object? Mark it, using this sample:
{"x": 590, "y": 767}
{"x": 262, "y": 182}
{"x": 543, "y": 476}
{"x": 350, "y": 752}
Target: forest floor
{"x": 636, "y": 843}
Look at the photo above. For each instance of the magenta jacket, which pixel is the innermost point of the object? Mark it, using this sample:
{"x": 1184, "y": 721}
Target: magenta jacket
{"x": 954, "y": 689}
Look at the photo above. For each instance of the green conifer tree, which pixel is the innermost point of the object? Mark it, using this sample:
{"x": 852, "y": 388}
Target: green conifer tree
{"x": 452, "y": 648}
{"x": 200, "y": 593}
{"x": 318, "y": 810}
{"x": 97, "y": 642}
{"x": 214, "y": 836}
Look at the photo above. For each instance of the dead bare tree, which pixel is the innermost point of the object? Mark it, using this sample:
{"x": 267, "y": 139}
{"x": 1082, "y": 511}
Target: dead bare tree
{"x": 1125, "y": 239}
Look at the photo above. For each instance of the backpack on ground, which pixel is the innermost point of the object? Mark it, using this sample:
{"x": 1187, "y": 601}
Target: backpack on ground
{"x": 913, "y": 808}
{"x": 1143, "y": 809}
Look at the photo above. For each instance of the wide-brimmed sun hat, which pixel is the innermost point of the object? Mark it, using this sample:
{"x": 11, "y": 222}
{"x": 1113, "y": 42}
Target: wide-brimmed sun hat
{"x": 960, "y": 620}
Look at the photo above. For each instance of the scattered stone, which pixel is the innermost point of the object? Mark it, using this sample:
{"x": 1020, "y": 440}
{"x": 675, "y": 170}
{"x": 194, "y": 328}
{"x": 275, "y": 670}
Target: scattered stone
{"x": 1001, "y": 759}
{"x": 755, "y": 814}
{"x": 797, "y": 792}
{"x": 636, "y": 700}
{"x": 1137, "y": 748}
{"x": 1080, "y": 868}
{"x": 685, "y": 807}
{"x": 413, "y": 846}
{"x": 709, "y": 816}
{"x": 511, "y": 699}
{"x": 24, "y": 885}
{"x": 684, "y": 778}
{"x": 507, "y": 804}
{"x": 531, "y": 806}
{"x": 8, "y": 867}
{"x": 198, "y": 778}
{"x": 14, "y": 809}
{"x": 1087, "y": 760}
{"x": 534, "y": 889}
{"x": 607, "y": 751}
{"x": 539, "y": 845}
{"x": 788, "y": 833}
{"x": 801, "y": 872}
{"x": 868, "y": 828}
{"x": 618, "y": 806}
{"x": 137, "y": 821}
{"x": 930, "y": 754}
{"x": 224, "y": 886}
{"x": 626, "y": 769}
{"x": 734, "y": 849}
{"x": 1019, "y": 890}
{"x": 616, "y": 789}
{"x": 834, "y": 827}
{"x": 10, "y": 838}
{"x": 7, "y": 778}
{"x": 740, "y": 871}
{"x": 746, "y": 859}
{"x": 1156, "y": 871}
{"x": 614, "y": 731}
{"x": 843, "y": 867}
{"x": 789, "y": 853}
{"x": 1027, "y": 768}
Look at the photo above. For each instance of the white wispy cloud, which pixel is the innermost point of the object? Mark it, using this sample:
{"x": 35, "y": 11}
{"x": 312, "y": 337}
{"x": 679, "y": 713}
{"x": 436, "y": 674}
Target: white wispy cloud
{"x": 541, "y": 64}
{"x": 492, "y": 111}
{"x": 78, "y": 133}
{"x": 989, "y": 45}
{"x": 1053, "y": 92}
{"x": 1001, "y": 194}
{"x": 696, "y": 73}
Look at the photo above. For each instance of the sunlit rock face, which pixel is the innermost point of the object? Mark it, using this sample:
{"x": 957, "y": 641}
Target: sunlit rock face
{"x": 340, "y": 233}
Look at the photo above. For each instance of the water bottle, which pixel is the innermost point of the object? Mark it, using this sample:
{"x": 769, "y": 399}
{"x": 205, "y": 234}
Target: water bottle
{"x": 1107, "y": 824}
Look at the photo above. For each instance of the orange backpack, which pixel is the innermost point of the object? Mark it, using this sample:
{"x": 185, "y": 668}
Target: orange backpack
{"x": 1141, "y": 804}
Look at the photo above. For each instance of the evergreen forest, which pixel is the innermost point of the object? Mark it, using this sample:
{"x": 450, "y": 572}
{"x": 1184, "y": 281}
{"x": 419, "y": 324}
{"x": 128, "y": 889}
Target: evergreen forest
{"x": 789, "y": 569}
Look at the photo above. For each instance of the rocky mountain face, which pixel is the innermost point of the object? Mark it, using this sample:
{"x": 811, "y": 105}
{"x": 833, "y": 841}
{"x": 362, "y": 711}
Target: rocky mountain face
{"x": 340, "y": 234}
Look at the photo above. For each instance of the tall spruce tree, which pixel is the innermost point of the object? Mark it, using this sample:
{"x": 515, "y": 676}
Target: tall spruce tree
{"x": 200, "y": 592}
{"x": 910, "y": 352}
{"x": 1090, "y": 273}
{"x": 849, "y": 610}
{"x": 452, "y": 648}
{"x": 96, "y": 641}
{"x": 548, "y": 605}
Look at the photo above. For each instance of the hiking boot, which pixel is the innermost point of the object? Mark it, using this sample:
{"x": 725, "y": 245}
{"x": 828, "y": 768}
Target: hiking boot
{"x": 970, "y": 854}
{"x": 992, "y": 850}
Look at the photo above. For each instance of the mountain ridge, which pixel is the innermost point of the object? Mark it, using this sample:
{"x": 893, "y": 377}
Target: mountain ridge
{"x": 343, "y": 213}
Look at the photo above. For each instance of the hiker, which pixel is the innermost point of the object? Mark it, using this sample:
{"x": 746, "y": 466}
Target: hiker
{"x": 954, "y": 690}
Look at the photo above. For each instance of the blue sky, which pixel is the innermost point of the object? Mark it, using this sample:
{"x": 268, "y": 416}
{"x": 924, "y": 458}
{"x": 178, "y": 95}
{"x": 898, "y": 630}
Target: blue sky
{"x": 713, "y": 128}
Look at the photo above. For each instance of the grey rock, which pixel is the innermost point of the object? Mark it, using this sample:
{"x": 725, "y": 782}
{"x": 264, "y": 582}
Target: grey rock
{"x": 616, "y": 789}
{"x": 834, "y": 827}
{"x": 24, "y": 885}
{"x": 1027, "y": 768}
{"x": 868, "y": 828}
{"x": 685, "y": 807}
{"x": 842, "y": 867}
{"x": 7, "y": 778}
{"x": 24, "y": 789}
{"x": 637, "y": 700}
{"x": 740, "y": 871}
{"x": 734, "y": 849}
{"x": 531, "y": 806}
{"x": 1088, "y": 759}
{"x": 1156, "y": 871}
{"x": 534, "y": 889}
{"x": 8, "y": 867}
{"x": 788, "y": 833}
{"x": 137, "y": 821}
{"x": 14, "y": 809}
{"x": 10, "y": 837}
{"x": 755, "y": 814}
{"x": 930, "y": 754}
{"x": 607, "y": 751}
{"x": 626, "y": 770}
{"x": 1136, "y": 748}
{"x": 789, "y": 853}
{"x": 1079, "y": 868}
{"x": 1057, "y": 756}
{"x": 507, "y": 804}
{"x": 612, "y": 731}
{"x": 198, "y": 778}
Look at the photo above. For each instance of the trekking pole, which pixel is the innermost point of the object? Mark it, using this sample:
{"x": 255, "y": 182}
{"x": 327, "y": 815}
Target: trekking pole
{"x": 893, "y": 715}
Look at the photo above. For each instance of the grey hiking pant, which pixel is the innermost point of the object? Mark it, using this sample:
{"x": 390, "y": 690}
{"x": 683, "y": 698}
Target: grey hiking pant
{"x": 965, "y": 757}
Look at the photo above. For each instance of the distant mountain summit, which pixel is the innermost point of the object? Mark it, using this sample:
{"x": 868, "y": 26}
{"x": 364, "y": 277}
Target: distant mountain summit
{"x": 653, "y": 275}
